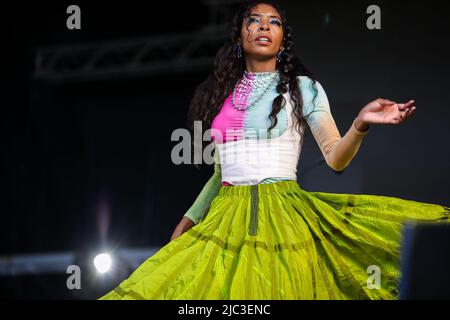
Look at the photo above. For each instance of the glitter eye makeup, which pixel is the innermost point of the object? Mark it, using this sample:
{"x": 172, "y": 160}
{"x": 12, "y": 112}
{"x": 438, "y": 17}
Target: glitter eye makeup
{"x": 253, "y": 18}
{"x": 276, "y": 22}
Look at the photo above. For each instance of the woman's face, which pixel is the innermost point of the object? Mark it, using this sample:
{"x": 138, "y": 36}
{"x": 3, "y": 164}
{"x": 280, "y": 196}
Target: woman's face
{"x": 262, "y": 33}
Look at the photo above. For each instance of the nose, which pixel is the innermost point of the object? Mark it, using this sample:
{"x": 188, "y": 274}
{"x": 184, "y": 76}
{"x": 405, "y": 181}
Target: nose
{"x": 264, "y": 26}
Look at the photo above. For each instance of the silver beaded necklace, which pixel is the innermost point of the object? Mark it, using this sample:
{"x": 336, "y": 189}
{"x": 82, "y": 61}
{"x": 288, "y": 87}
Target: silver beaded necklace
{"x": 265, "y": 82}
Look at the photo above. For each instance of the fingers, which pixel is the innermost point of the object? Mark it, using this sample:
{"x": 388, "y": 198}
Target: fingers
{"x": 410, "y": 111}
{"x": 408, "y": 105}
{"x": 385, "y": 102}
{"x": 404, "y": 114}
{"x": 407, "y": 109}
{"x": 175, "y": 236}
{"x": 401, "y": 106}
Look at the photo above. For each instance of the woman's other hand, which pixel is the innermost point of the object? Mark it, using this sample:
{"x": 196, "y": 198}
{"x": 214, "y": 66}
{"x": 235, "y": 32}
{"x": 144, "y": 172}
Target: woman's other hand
{"x": 184, "y": 225}
{"x": 384, "y": 111}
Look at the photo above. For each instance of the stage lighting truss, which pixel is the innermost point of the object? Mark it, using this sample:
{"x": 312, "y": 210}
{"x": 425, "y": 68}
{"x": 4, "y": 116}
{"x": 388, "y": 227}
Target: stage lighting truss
{"x": 166, "y": 54}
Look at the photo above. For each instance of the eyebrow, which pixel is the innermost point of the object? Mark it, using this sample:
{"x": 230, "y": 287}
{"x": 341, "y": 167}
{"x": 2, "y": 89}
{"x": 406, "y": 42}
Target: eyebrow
{"x": 260, "y": 15}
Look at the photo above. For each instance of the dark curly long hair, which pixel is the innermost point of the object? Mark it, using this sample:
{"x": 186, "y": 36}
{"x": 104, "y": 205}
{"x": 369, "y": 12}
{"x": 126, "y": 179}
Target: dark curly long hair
{"x": 228, "y": 69}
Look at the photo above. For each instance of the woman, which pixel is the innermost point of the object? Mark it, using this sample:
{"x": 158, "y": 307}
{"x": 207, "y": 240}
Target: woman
{"x": 253, "y": 233}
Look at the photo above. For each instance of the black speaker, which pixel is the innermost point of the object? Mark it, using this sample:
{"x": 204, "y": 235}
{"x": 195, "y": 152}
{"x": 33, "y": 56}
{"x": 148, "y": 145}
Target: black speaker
{"x": 425, "y": 262}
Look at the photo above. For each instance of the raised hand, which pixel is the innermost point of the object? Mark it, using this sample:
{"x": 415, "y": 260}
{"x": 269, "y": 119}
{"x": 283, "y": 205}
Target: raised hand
{"x": 384, "y": 111}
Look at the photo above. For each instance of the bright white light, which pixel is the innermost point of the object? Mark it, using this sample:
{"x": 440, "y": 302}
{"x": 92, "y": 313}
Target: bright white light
{"x": 102, "y": 262}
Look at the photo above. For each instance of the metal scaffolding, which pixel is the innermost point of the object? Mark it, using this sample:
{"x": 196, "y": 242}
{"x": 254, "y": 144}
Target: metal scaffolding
{"x": 173, "y": 53}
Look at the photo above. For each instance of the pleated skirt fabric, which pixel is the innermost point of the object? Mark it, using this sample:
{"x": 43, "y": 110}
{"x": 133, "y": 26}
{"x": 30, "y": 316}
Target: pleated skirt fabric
{"x": 277, "y": 241}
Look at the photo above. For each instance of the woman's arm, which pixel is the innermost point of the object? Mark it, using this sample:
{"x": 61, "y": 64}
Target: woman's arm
{"x": 201, "y": 205}
{"x": 337, "y": 151}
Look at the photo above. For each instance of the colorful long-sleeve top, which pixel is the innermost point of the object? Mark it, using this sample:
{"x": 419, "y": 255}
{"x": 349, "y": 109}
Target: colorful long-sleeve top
{"x": 241, "y": 127}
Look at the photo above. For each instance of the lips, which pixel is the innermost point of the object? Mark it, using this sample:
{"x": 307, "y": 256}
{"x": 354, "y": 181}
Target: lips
{"x": 265, "y": 39}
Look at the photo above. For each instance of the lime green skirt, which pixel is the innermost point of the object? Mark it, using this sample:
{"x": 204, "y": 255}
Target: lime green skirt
{"x": 278, "y": 241}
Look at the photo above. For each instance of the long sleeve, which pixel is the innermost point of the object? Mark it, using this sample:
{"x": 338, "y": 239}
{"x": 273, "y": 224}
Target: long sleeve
{"x": 201, "y": 205}
{"x": 338, "y": 151}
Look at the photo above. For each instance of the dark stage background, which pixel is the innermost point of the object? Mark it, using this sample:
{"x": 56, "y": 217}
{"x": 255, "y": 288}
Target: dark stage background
{"x": 76, "y": 145}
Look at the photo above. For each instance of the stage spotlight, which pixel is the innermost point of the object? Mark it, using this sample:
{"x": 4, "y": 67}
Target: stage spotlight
{"x": 102, "y": 269}
{"x": 103, "y": 262}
